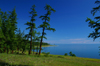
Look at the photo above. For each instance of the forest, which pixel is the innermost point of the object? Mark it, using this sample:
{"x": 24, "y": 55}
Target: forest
{"x": 11, "y": 38}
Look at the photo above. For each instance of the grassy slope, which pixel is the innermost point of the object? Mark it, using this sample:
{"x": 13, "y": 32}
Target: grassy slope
{"x": 52, "y": 60}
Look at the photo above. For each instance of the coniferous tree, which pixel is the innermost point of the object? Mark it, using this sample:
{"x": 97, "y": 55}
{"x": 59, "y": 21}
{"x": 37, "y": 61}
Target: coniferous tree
{"x": 13, "y": 27}
{"x": 19, "y": 40}
{"x": 8, "y": 26}
{"x": 38, "y": 41}
{"x": 27, "y": 36}
{"x": 5, "y": 28}
{"x": 31, "y": 24}
{"x": 1, "y": 33}
{"x": 8, "y": 39}
{"x": 46, "y": 25}
{"x": 95, "y": 24}
{"x": 33, "y": 35}
{"x": 24, "y": 45}
{"x": 36, "y": 38}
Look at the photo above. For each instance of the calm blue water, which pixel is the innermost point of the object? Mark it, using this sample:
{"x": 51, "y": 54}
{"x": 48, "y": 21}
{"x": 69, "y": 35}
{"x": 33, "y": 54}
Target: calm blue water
{"x": 80, "y": 50}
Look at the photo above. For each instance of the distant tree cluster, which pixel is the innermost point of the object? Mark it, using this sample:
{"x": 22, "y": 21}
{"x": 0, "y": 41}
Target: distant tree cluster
{"x": 12, "y": 39}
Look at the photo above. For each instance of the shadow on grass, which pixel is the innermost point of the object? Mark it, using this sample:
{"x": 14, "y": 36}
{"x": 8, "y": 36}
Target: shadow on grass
{"x": 2, "y": 63}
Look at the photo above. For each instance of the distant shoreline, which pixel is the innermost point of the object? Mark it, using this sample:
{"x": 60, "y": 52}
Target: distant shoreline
{"x": 47, "y": 45}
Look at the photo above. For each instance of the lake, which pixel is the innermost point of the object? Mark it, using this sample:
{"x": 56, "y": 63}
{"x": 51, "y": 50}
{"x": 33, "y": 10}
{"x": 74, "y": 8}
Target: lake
{"x": 80, "y": 50}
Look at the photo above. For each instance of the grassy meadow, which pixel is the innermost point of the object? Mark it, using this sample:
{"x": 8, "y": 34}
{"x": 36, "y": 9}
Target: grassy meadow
{"x": 42, "y": 60}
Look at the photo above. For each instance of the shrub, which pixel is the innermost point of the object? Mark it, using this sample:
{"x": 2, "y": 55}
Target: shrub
{"x": 74, "y": 55}
{"x": 65, "y": 54}
{"x": 71, "y": 54}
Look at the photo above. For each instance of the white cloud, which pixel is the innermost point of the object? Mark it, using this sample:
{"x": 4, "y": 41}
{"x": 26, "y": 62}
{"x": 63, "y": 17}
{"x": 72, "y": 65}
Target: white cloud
{"x": 77, "y": 39}
{"x": 73, "y": 41}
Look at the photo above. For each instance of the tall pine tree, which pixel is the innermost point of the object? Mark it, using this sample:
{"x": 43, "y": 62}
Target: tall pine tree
{"x": 95, "y": 24}
{"x": 2, "y": 41}
{"x": 13, "y": 28}
{"x": 31, "y": 24}
{"x": 46, "y": 25}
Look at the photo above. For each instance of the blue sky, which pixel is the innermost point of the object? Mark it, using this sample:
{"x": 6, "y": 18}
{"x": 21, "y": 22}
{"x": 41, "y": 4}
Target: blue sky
{"x": 68, "y": 20}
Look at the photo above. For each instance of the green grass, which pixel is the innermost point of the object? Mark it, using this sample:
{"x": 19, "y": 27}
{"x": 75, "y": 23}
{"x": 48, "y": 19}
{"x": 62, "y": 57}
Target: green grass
{"x": 51, "y": 60}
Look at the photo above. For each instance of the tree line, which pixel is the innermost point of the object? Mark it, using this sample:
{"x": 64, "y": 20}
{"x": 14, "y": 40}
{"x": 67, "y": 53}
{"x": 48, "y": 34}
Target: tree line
{"x": 11, "y": 38}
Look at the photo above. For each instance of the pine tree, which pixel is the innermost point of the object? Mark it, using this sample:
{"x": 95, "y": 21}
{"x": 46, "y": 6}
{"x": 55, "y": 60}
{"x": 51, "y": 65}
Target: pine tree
{"x": 1, "y": 33}
{"x": 38, "y": 40}
{"x": 13, "y": 27}
{"x": 95, "y": 24}
{"x": 5, "y": 28}
{"x": 27, "y": 36}
{"x": 46, "y": 25}
{"x": 36, "y": 37}
{"x": 19, "y": 40}
{"x": 31, "y": 24}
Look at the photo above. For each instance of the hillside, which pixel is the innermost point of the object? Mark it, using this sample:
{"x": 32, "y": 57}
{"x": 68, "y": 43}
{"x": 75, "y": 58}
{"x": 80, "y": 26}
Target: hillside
{"x": 51, "y": 60}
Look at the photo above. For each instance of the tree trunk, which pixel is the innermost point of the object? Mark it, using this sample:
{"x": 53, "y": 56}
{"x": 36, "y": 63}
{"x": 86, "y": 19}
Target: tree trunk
{"x": 23, "y": 51}
{"x": 17, "y": 50}
{"x": 30, "y": 44}
{"x": 33, "y": 48}
{"x": 7, "y": 50}
{"x": 12, "y": 51}
{"x": 41, "y": 41}
{"x": 37, "y": 49}
{"x": 4, "y": 49}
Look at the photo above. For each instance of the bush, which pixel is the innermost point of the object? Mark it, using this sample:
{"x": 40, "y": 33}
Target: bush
{"x": 74, "y": 55}
{"x": 71, "y": 54}
{"x": 65, "y": 54}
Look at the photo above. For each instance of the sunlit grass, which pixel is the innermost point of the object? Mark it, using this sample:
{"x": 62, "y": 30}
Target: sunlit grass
{"x": 51, "y": 60}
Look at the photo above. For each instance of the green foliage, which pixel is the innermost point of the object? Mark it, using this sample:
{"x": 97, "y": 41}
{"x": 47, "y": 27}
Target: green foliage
{"x": 71, "y": 54}
{"x": 7, "y": 30}
{"x": 74, "y": 55}
{"x": 65, "y": 54}
{"x": 13, "y": 39}
{"x": 31, "y": 26}
{"x": 46, "y": 25}
{"x": 46, "y": 18}
{"x": 94, "y": 24}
